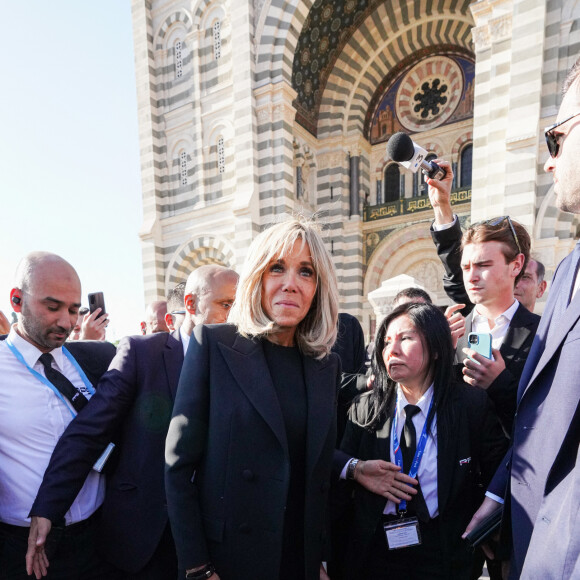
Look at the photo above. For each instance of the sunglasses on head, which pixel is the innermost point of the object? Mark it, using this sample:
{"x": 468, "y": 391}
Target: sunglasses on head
{"x": 552, "y": 140}
{"x": 497, "y": 221}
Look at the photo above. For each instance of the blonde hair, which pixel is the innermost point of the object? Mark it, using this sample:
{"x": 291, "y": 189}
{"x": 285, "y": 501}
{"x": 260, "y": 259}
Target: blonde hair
{"x": 316, "y": 333}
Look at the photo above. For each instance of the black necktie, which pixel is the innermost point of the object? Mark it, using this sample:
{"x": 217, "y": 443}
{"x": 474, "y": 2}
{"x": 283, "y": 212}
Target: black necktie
{"x": 417, "y": 505}
{"x": 76, "y": 398}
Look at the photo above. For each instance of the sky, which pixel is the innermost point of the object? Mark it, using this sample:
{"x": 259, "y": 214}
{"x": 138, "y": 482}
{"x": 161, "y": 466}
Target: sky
{"x": 69, "y": 150}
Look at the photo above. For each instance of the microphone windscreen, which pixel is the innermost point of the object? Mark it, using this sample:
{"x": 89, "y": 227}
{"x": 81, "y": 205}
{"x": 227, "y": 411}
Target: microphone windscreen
{"x": 400, "y": 147}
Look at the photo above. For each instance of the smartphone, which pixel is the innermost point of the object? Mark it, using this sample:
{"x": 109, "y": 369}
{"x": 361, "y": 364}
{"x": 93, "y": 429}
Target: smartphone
{"x": 97, "y": 300}
{"x": 480, "y": 342}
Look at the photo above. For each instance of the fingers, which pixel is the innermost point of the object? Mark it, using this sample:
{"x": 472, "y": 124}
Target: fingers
{"x": 451, "y": 310}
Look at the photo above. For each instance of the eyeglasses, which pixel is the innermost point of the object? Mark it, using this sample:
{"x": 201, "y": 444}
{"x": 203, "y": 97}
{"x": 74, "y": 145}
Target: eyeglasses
{"x": 552, "y": 140}
{"x": 497, "y": 221}
{"x": 177, "y": 312}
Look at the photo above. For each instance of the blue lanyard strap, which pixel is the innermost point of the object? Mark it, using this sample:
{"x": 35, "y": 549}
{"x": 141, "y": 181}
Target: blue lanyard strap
{"x": 418, "y": 453}
{"x": 44, "y": 380}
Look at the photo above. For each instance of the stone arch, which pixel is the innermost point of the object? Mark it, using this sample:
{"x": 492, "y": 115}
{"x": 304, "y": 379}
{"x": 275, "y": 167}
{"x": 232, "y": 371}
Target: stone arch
{"x": 467, "y": 137}
{"x": 197, "y": 252}
{"x": 181, "y": 17}
{"x": 385, "y": 39}
{"x": 409, "y": 250}
{"x": 283, "y": 23}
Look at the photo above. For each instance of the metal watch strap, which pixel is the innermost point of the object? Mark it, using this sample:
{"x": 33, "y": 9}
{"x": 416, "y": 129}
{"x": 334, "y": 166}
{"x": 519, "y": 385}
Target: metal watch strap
{"x": 350, "y": 468}
{"x": 206, "y": 572}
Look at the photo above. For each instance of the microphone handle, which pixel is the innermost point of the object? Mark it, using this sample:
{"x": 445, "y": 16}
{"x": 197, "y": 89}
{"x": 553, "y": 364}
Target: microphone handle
{"x": 433, "y": 171}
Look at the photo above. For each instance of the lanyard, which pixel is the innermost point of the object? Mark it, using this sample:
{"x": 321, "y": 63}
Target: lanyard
{"x": 44, "y": 380}
{"x": 418, "y": 453}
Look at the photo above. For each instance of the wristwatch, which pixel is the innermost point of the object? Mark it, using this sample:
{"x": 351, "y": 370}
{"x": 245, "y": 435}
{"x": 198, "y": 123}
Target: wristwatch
{"x": 350, "y": 468}
{"x": 206, "y": 572}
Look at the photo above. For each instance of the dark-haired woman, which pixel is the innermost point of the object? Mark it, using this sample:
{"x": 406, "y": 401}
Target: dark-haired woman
{"x": 443, "y": 434}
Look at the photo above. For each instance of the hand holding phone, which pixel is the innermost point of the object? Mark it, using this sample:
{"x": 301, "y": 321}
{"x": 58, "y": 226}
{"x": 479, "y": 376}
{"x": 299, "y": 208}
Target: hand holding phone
{"x": 97, "y": 300}
{"x": 480, "y": 342}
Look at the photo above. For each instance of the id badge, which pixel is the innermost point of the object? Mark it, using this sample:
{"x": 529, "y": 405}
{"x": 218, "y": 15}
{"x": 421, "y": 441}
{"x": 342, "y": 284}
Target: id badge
{"x": 402, "y": 533}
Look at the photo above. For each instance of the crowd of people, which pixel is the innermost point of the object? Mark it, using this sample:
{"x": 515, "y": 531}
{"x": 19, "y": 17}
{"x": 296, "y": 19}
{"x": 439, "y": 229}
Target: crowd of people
{"x": 241, "y": 436}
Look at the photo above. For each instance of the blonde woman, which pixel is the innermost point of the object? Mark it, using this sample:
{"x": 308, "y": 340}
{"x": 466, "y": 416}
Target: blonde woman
{"x": 250, "y": 445}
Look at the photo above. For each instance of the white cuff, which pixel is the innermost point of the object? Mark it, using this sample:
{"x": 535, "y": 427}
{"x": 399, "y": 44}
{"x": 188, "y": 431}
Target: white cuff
{"x": 494, "y": 497}
{"x": 441, "y": 227}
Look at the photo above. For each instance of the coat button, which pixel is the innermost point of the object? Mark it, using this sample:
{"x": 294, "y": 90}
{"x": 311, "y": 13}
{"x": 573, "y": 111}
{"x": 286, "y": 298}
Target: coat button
{"x": 244, "y": 529}
{"x": 248, "y": 475}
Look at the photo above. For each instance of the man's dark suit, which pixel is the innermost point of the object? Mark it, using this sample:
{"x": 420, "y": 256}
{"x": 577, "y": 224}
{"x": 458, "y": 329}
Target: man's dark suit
{"x": 472, "y": 431}
{"x": 132, "y": 406}
{"x": 548, "y": 397}
{"x": 228, "y": 428}
{"x": 517, "y": 342}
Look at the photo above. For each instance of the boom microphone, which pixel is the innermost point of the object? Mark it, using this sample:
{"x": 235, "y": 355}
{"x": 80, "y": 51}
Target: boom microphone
{"x": 404, "y": 151}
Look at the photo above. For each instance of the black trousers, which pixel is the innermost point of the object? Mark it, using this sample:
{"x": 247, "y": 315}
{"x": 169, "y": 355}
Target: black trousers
{"x": 75, "y": 557}
{"x": 422, "y": 562}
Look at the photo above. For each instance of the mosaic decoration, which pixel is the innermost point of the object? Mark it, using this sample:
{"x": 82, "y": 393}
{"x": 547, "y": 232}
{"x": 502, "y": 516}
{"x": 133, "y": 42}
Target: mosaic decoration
{"x": 329, "y": 26}
{"x": 435, "y": 91}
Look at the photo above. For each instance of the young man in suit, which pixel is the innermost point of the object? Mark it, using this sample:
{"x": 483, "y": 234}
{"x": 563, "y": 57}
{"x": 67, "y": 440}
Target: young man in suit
{"x": 133, "y": 407}
{"x": 539, "y": 476}
{"x": 43, "y": 385}
{"x": 482, "y": 267}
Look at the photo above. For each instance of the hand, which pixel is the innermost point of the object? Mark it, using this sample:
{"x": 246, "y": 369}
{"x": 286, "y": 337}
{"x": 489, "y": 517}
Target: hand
{"x": 483, "y": 374}
{"x": 323, "y": 574}
{"x": 370, "y": 382}
{"x": 487, "y": 508}
{"x": 36, "y": 560}
{"x": 385, "y": 478}
{"x": 456, "y": 322}
{"x": 4, "y": 324}
{"x": 440, "y": 194}
{"x": 94, "y": 328}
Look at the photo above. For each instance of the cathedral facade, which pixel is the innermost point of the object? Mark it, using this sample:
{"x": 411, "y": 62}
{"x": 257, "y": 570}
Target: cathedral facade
{"x": 250, "y": 110}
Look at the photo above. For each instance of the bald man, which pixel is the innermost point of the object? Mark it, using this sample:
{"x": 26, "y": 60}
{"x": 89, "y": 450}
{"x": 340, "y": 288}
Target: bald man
{"x": 135, "y": 400}
{"x": 155, "y": 317}
{"x": 43, "y": 385}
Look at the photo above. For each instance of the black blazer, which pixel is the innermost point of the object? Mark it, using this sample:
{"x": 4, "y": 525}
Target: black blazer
{"x": 228, "y": 467}
{"x": 474, "y": 433}
{"x": 132, "y": 406}
{"x": 514, "y": 350}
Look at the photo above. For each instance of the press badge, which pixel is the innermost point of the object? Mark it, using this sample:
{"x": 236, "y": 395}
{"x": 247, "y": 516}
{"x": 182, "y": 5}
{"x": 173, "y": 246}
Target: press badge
{"x": 402, "y": 533}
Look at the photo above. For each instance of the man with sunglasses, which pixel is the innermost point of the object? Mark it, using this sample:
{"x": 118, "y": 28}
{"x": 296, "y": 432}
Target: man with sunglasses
{"x": 482, "y": 267}
{"x": 540, "y": 478}
{"x": 132, "y": 407}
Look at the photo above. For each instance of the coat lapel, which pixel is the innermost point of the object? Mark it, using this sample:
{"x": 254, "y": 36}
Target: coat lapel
{"x": 556, "y": 339}
{"x": 462, "y": 342}
{"x": 517, "y": 334}
{"x": 247, "y": 363}
{"x": 320, "y": 377}
{"x": 173, "y": 360}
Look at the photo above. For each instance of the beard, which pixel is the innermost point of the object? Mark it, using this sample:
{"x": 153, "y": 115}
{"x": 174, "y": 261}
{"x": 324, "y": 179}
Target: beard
{"x": 39, "y": 334}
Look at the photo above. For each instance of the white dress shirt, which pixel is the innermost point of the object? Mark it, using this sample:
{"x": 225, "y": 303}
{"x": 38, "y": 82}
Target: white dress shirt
{"x": 184, "y": 339}
{"x": 427, "y": 474}
{"x": 501, "y": 324}
{"x": 32, "y": 419}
